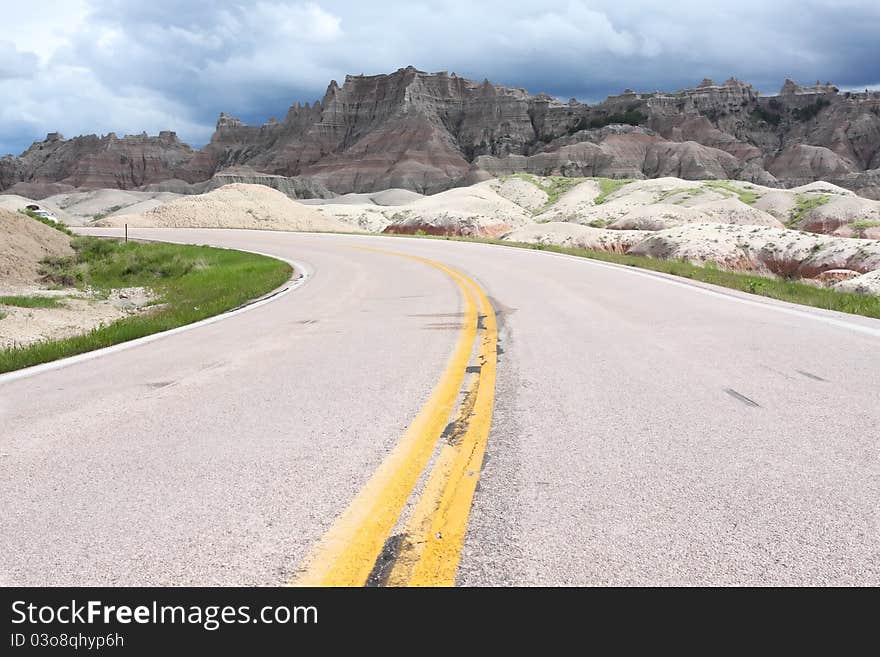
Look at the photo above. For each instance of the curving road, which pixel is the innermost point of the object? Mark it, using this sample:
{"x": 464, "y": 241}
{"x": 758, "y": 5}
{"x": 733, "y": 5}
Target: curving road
{"x": 646, "y": 430}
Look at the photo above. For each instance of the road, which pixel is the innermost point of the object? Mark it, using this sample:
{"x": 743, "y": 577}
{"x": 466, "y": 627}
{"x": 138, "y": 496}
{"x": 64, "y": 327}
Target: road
{"x": 644, "y": 431}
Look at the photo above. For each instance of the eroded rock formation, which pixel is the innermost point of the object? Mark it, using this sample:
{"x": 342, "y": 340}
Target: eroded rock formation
{"x": 431, "y": 131}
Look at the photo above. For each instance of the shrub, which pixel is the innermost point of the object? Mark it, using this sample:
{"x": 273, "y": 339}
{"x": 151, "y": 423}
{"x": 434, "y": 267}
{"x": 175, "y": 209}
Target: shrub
{"x": 810, "y": 111}
{"x": 761, "y": 114}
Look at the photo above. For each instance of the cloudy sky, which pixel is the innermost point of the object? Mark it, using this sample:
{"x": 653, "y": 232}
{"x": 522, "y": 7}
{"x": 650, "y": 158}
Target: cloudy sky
{"x": 84, "y": 66}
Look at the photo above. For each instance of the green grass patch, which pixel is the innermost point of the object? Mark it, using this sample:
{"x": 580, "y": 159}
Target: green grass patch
{"x": 804, "y": 204}
{"x": 556, "y": 186}
{"x": 861, "y": 226}
{"x": 788, "y": 290}
{"x": 30, "y": 302}
{"x": 607, "y": 187}
{"x": 57, "y": 225}
{"x": 553, "y": 186}
{"x": 746, "y": 196}
{"x": 191, "y": 283}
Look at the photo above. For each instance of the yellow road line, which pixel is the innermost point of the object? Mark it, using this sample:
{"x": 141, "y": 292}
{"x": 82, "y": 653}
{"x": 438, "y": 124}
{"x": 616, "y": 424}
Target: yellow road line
{"x": 436, "y": 528}
{"x": 348, "y": 551}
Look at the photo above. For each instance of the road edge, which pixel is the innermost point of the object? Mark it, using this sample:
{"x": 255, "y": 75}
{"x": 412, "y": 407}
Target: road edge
{"x": 293, "y": 283}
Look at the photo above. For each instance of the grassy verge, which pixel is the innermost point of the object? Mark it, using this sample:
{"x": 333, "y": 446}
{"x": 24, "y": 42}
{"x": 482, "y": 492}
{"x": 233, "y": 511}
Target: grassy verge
{"x": 191, "y": 283}
{"x": 792, "y": 291}
{"x": 30, "y": 302}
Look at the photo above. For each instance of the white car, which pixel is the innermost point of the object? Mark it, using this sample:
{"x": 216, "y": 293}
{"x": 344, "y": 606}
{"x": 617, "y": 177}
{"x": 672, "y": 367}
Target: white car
{"x": 46, "y": 215}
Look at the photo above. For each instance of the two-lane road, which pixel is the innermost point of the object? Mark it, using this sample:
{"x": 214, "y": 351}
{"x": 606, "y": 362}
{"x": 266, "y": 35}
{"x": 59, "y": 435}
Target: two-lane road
{"x": 645, "y": 430}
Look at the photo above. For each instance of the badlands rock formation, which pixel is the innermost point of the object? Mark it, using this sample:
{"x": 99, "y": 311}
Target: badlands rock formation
{"x": 817, "y": 232}
{"x": 699, "y": 221}
{"x": 233, "y": 206}
{"x": 427, "y": 132}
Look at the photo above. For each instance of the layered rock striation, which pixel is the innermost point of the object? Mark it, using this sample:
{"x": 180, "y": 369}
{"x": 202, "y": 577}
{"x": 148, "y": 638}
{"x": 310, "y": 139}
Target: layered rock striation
{"x": 428, "y": 132}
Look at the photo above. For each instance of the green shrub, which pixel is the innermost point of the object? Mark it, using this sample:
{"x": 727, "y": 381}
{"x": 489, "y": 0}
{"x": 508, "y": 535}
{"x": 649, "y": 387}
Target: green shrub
{"x": 811, "y": 110}
{"x": 57, "y": 225}
{"x": 804, "y": 204}
{"x": 761, "y": 114}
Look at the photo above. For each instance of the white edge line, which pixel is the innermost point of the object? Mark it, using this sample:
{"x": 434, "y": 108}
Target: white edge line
{"x": 729, "y": 294}
{"x": 305, "y": 274}
{"x": 661, "y": 276}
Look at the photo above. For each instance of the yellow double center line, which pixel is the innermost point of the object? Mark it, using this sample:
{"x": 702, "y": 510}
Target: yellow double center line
{"x": 430, "y": 549}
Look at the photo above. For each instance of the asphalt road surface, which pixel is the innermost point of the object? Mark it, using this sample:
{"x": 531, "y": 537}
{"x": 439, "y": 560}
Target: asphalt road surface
{"x": 645, "y": 430}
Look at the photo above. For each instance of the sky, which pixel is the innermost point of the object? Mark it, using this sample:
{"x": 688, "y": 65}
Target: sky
{"x": 127, "y": 66}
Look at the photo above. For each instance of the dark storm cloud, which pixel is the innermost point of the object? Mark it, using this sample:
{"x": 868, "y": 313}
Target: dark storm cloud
{"x": 173, "y": 64}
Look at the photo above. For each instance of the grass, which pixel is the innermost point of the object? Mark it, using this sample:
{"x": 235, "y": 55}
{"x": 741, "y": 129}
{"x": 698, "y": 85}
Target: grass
{"x": 107, "y": 213}
{"x": 553, "y": 186}
{"x": 804, "y": 204}
{"x": 781, "y": 289}
{"x": 57, "y": 225}
{"x": 746, "y": 196}
{"x": 31, "y": 302}
{"x": 608, "y": 186}
{"x": 861, "y": 226}
{"x": 556, "y": 186}
{"x": 191, "y": 283}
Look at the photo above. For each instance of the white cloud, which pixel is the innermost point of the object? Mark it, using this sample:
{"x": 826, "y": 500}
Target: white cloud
{"x": 177, "y": 63}
{"x": 70, "y": 100}
{"x": 16, "y": 64}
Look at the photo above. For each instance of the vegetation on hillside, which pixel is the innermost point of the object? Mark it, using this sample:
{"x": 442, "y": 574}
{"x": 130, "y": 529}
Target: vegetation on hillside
{"x": 190, "y": 283}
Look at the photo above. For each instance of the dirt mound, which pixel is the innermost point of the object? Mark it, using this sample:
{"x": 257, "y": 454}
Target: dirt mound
{"x": 561, "y": 233}
{"x": 15, "y": 203}
{"x": 659, "y": 217}
{"x": 24, "y": 242}
{"x": 395, "y": 197}
{"x": 762, "y": 250}
{"x": 778, "y": 203}
{"x": 840, "y": 211}
{"x": 475, "y": 211}
{"x": 865, "y": 284}
{"x": 574, "y": 203}
{"x": 821, "y": 187}
{"x": 734, "y": 211}
{"x": 236, "y": 205}
{"x": 366, "y": 216}
{"x": 99, "y": 203}
{"x": 523, "y": 192}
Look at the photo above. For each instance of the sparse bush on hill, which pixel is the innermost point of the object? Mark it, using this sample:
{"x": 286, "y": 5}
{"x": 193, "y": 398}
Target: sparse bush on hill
{"x": 810, "y": 111}
{"x": 803, "y": 205}
{"x": 761, "y": 114}
{"x": 57, "y": 225}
